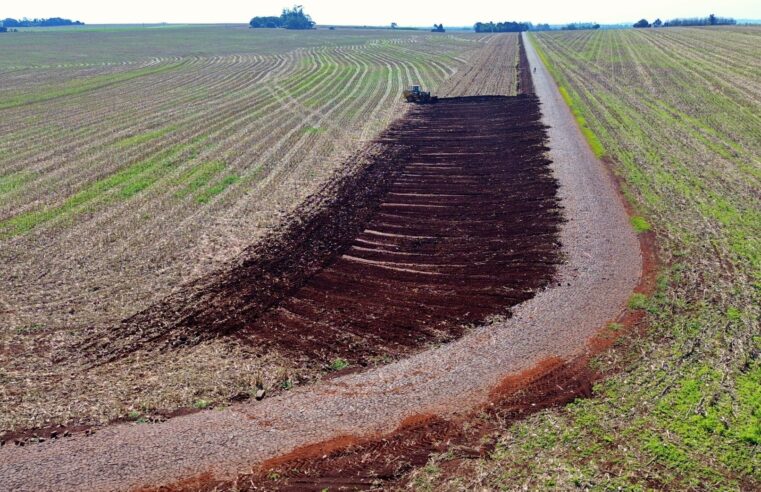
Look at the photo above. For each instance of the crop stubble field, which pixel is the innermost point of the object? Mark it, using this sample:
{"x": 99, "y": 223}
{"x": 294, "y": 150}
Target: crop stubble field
{"x": 133, "y": 163}
{"x": 677, "y": 113}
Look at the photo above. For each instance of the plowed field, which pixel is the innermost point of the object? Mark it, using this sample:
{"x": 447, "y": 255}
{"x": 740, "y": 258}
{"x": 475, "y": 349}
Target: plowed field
{"x": 457, "y": 225}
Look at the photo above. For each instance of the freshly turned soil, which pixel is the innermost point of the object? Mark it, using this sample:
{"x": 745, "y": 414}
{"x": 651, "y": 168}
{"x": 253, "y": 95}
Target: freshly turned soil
{"x": 467, "y": 228}
{"x": 455, "y": 221}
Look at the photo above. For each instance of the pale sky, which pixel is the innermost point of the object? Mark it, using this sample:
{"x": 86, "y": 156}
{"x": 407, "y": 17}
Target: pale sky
{"x": 380, "y": 12}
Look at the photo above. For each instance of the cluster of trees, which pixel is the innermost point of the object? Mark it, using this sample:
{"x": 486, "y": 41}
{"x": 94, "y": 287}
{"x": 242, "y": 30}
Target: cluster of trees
{"x": 578, "y": 26}
{"x": 711, "y": 20}
{"x": 510, "y": 26}
{"x": 52, "y": 22}
{"x": 294, "y": 18}
{"x": 438, "y": 28}
{"x": 266, "y": 21}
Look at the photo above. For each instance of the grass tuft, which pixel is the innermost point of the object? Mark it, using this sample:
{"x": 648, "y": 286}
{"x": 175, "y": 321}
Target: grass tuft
{"x": 640, "y": 224}
{"x": 339, "y": 364}
{"x": 201, "y": 404}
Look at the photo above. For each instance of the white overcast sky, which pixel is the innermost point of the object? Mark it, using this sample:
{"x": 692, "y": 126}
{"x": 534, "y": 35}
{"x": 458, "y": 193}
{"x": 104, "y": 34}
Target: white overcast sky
{"x": 380, "y": 12}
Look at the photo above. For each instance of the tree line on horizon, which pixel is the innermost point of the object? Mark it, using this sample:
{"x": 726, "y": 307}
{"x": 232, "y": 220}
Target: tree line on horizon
{"x": 512, "y": 26}
{"x": 711, "y": 20}
{"x": 51, "y": 22}
{"x": 293, "y": 18}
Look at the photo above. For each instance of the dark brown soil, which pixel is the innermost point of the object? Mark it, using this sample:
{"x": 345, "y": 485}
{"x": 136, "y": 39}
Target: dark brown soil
{"x": 467, "y": 228}
{"x": 455, "y": 220}
{"x": 525, "y": 81}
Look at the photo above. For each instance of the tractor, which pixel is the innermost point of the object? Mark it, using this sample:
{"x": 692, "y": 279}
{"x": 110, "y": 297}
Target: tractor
{"x": 415, "y": 95}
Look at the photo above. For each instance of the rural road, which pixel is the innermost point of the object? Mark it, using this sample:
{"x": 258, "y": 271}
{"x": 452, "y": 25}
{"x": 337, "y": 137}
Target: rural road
{"x": 603, "y": 266}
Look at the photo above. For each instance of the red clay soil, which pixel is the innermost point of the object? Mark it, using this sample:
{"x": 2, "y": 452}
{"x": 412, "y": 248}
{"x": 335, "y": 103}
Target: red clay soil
{"x": 347, "y": 463}
{"x": 456, "y": 221}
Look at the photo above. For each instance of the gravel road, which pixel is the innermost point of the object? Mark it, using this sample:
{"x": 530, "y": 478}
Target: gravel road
{"x": 603, "y": 266}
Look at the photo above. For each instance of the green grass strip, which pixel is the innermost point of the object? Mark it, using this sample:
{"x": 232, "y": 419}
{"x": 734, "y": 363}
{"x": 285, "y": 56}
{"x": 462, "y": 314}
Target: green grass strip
{"x": 198, "y": 178}
{"x": 144, "y": 137}
{"x": 76, "y": 87}
{"x": 571, "y": 101}
{"x": 13, "y": 181}
{"x": 127, "y": 182}
{"x": 640, "y": 224}
{"x": 207, "y": 195}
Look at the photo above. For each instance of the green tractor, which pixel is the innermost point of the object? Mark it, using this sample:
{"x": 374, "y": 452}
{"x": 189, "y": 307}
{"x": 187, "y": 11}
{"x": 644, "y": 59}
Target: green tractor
{"x": 415, "y": 95}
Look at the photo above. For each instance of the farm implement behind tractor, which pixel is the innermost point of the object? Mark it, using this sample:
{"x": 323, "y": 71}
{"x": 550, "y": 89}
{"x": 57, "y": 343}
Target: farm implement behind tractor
{"x": 415, "y": 95}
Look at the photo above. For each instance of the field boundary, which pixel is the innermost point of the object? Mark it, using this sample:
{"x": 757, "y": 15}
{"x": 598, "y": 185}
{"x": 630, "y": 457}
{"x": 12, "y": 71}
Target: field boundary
{"x": 594, "y": 143}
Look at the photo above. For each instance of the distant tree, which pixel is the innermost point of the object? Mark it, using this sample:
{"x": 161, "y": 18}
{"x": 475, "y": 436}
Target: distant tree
{"x": 3, "y": 29}
{"x": 394, "y": 25}
{"x": 265, "y": 22}
{"x": 295, "y": 18}
{"x": 438, "y": 28}
{"x": 578, "y": 26}
{"x": 657, "y": 23}
{"x": 712, "y": 20}
{"x": 642, "y": 23}
{"x": 541, "y": 27}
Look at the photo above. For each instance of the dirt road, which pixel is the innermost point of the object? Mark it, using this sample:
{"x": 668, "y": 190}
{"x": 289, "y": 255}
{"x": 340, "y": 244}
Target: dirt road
{"x": 603, "y": 265}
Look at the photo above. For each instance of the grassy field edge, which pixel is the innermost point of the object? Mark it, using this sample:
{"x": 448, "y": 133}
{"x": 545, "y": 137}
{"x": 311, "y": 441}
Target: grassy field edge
{"x": 570, "y": 98}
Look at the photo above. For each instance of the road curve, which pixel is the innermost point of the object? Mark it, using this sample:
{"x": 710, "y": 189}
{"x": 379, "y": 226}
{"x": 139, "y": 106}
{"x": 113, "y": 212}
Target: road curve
{"x": 603, "y": 266}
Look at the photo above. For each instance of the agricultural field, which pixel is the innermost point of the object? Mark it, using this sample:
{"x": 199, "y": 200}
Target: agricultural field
{"x": 677, "y": 114}
{"x": 134, "y": 162}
